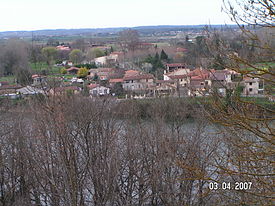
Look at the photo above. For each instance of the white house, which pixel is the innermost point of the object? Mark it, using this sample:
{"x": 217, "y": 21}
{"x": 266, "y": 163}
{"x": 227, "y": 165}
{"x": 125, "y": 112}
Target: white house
{"x": 252, "y": 86}
{"x": 99, "y": 91}
{"x": 100, "y": 61}
{"x": 178, "y": 72}
{"x": 138, "y": 82}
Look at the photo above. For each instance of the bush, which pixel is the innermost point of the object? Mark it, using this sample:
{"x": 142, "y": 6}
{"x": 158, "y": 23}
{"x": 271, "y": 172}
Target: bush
{"x": 63, "y": 70}
{"x": 88, "y": 66}
{"x": 82, "y": 73}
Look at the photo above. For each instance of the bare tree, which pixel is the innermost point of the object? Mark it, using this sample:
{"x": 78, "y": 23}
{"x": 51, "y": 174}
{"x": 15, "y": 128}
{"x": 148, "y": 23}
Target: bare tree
{"x": 129, "y": 39}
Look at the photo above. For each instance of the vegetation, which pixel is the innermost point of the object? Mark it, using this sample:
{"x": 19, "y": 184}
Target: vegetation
{"x": 82, "y": 73}
{"x": 88, "y": 66}
{"x": 129, "y": 39}
{"x": 126, "y": 142}
{"x": 248, "y": 123}
{"x": 95, "y": 53}
{"x": 68, "y": 149}
{"x": 76, "y": 56}
{"x": 63, "y": 70}
{"x": 155, "y": 61}
{"x": 49, "y": 54}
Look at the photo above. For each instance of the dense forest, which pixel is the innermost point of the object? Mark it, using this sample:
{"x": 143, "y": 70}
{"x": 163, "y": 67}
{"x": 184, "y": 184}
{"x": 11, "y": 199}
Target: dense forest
{"x": 75, "y": 151}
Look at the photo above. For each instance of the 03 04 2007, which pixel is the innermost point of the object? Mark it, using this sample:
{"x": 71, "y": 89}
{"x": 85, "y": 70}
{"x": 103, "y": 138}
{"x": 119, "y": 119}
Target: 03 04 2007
{"x": 230, "y": 185}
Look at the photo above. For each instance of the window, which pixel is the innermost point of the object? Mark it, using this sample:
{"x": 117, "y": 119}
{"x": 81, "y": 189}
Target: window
{"x": 250, "y": 89}
{"x": 261, "y": 85}
{"x": 250, "y": 83}
{"x": 105, "y": 91}
{"x": 202, "y": 83}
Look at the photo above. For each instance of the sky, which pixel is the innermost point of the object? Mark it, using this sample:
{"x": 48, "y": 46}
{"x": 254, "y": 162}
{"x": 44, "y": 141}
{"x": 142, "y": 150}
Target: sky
{"x": 20, "y": 15}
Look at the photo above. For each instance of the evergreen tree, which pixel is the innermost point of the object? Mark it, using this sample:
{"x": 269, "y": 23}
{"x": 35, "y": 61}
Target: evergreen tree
{"x": 111, "y": 49}
{"x": 155, "y": 61}
{"x": 156, "y": 58}
{"x": 163, "y": 55}
{"x": 149, "y": 59}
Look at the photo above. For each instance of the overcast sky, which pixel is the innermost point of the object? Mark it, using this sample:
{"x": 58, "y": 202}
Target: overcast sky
{"x": 57, "y": 14}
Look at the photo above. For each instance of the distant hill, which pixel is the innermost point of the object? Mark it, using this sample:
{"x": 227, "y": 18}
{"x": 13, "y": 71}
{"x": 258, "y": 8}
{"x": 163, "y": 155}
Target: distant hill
{"x": 94, "y": 31}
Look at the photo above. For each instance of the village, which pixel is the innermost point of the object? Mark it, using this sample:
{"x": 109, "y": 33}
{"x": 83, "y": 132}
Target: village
{"x": 137, "y": 103}
{"x": 115, "y": 78}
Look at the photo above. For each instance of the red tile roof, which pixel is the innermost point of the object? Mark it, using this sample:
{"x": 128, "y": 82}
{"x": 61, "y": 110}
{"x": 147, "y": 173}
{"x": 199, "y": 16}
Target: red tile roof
{"x": 37, "y": 75}
{"x": 139, "y": 76}
{"x": 91, "y": 86}
{"x": 199, "y": 74}
{"x": 131, "y": 73}
{"x": 73, "y": 68}
{"x": 197, "y": 78}
{"x": 63, "y": 48}
{"x": 181, "y": 49}
{"x": 178, "y": 76}
{"x": 115, "y": 80}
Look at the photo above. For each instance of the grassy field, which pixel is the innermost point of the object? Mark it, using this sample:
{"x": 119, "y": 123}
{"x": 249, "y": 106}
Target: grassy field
{"x": 40, "y": 66}
{"x": 264, "y": 65}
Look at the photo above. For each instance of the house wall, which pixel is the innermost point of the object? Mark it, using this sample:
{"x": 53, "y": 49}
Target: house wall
{"x": 181, "y": 72}
{"x": 251, "y": 87}
{"x": 176, "y": 72}
{"x": 135, "y": 85}
{"x": 184, "y": 82}
{"x": 100, "y": 91}
{"x": 228, "y": 78}
{"x": 100, "y": 61}
{"x": 132, "y": 85}
{"x": 165, "y": 77}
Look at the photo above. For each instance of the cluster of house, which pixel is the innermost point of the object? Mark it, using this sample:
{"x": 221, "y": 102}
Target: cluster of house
{"x": 177, "y": 81}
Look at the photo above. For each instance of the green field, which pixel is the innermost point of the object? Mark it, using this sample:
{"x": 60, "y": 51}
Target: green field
{"x": 264, "y": 65}
{"x": 40, "y": 66}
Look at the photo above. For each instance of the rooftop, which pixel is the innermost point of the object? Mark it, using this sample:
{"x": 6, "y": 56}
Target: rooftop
{"x": 115, "y": 80}
{"x": 139, "y": 76}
